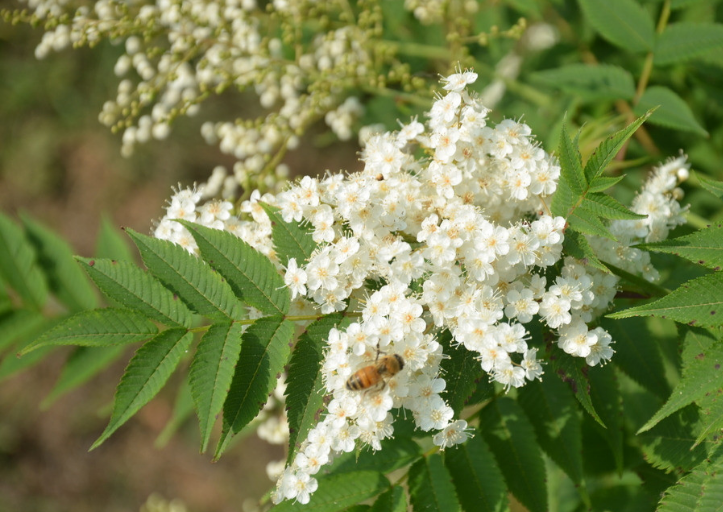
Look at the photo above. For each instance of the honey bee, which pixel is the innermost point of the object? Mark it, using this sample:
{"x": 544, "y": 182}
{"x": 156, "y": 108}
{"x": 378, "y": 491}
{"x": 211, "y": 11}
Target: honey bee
{"x": 372, "y": 375}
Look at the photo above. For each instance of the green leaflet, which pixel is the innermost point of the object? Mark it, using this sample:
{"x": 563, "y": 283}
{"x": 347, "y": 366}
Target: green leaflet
{"x": 97, "y": 328}
{"x": 608, "y": 207}
{"x": 252, "y": 276}
{"x": 702, "y": 373}
{"x": 19, "y": 267}
{"x": 393, "y": 500}
{"x": 264, "y": 351}
{"x": 211, "y": 372}
{"x": 674, "y": 112}
{"x": 697, "y": 302}
{"x": 592, "y": 83}
{"x": 577, "y": 246}
{"x": 430, "y": 486}
{"x": 711, "y": 408}
{"x": 396, "y": 453}
{"x": 461, "y": 372}
{"x": 712, "y": 186}
{"x": 624, "y": 23}
{"x": 111, "y": 244}
{"x": 605, "y": 395}
{"x": 291, "y": 239}
{"x": 511, "y": 438}
{"x": 10, "y": 364}
{"x": 476, "y": 477}
{"x": 553, "y": 412}
{"x": 65, "y": 279}
{"x": 18, "y": 324}
{"x": 82, "y": 365}
{"x": 572, "y": 184}
{"x": 585, "y": 222}
{"x": 202, "y": 289}
{"x": 701, "y": 490}
{"x": 704, "y": 247}
{"x": 338, "y": 492}
{"x": 601, "y": 183}
{"x": 304, "y": 400}
{"x": 133, "y": 288}
{"x": 683, "y": 41}
{"x": 145, "y": 375}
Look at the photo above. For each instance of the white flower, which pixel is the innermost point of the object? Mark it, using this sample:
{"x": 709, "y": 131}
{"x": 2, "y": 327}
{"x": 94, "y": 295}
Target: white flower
{"x": 454, "y": 433}
{"x": 295, "y": 279}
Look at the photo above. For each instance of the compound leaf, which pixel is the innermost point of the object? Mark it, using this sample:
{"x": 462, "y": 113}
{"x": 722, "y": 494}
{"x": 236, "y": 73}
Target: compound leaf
{"x": 430, "y": 486}
{"x": 19, "y": 265}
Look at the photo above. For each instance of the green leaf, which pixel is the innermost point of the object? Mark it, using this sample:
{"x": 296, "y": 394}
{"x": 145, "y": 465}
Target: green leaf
{"x": 702, "y": 373}
{"x": 585, "y": 222}
{"x": 608, "y": 207}
{"x": 182, "y": 410}
{"x": 111, "y": 244}
{"x": 211, "y": 372}
{"x": 592, "y": 83}
{"x": 637, "y": 354}
{"x": 202, "y": 289}
{"x": 697, "y": 302}
{"x": 712, "y": 186}
{"x": 430, "y": 486}
{"x": 606, "y": 151}
{"x": 683, "y": 41}
{"x": 605, "y": 395}
{"x": 644, "y": 286}
{"x": 674, "y": 112}
{"x": 19, "y": 267}
{"x": 18, "y": 324}
{"x": 623, "y": 23}
{"x": 135, "y": 289}
{"x": 337, "y": 492}
{"x": 11, "y": 364}
{"x": 252, "y": 276}
{"x": 551, "y": 408}
{"x": 476, "y": 476}
{"x": 393, "y": 500}
{"x": 704, "y": 247}
{"x": 573, "y": 371}
{"x": 396, "y": 453}
{"x": 264, "y": 351}
{"x": 577, "y": 246}
{"x": 291, "y": 239}
{"x": 82, "y": 365}
{"x": 97, "y": 328}
{"x": 145, "y": 375}
{"x": 601, "y": 183}
{"x": 711, "y": 410}
{"x": 55, "y": 257}
{"x": 701, "y": 490}
{"x": 461, "y": 370}
{"x": 304, "y": 399}
{"x": 572, "y": 184}
{"x": 511, "y": 438}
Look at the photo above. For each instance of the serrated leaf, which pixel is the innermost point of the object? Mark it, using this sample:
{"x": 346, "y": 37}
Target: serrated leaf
{"x": 605, "y": 395}
{"x": 182, "y": 409}
{"x": 601, "y": 183}
{"x": 395, "y": 453}
{"x": 110, "y": 243}
{"x": 611, "y": 146}
{"x": 82, "y": 365}
{"x": 573, "y": 371}
{"x": 252, "y": 276}
{"x": 552, "y": 410}
{"x": 18, "y": 324}
{"x": 683, "y": 41}
{"x": 19, "y": 267}
{"x": 572, "y": 184}
{"x": 624, "y": 23}
{"x": 211, "y": 372}
{"x": 430, "y": 486}
{"x": 577, "y": 246}
{"x": 304, "y": 400}
{"x": 711, "y": 413}
{"x": 608, "y": 207}
{"x": 637, "y": 354}
{"x": 393, "y": 500}
{"x": 592, "y": 83}
{"x": 135, "y": 289}
{"x": 264, "y": 351}
{"x": 670, "y": 445}
{"x": 55, "y": 257}
{"x": 145, "y": 375}
{"x": 511, "y": 438}
{"x": 643, "y": 285}
{"x": 291, "y": 239}
{"x": 97, "y": 328}
{"x": 461, "y": 369}
{"x": 10, "y": 364}
{"x": 702, "y": 373}
{"x": 337, "y": 492}
{"x": 202, "y": 289}
{"x": 674, "y": 112}
{"x": 712, "y": 186}
{"x": 701, "y": 490}
{"x": 585, "y": 222}
{"x": 697, "y": 302}
{"x": 476, "y": 477}
{"x": 704, "y": 247}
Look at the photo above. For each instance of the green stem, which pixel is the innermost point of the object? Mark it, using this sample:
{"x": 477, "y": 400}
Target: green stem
{"x": 648, "y": 65}
{"x": 414, "y": 99}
